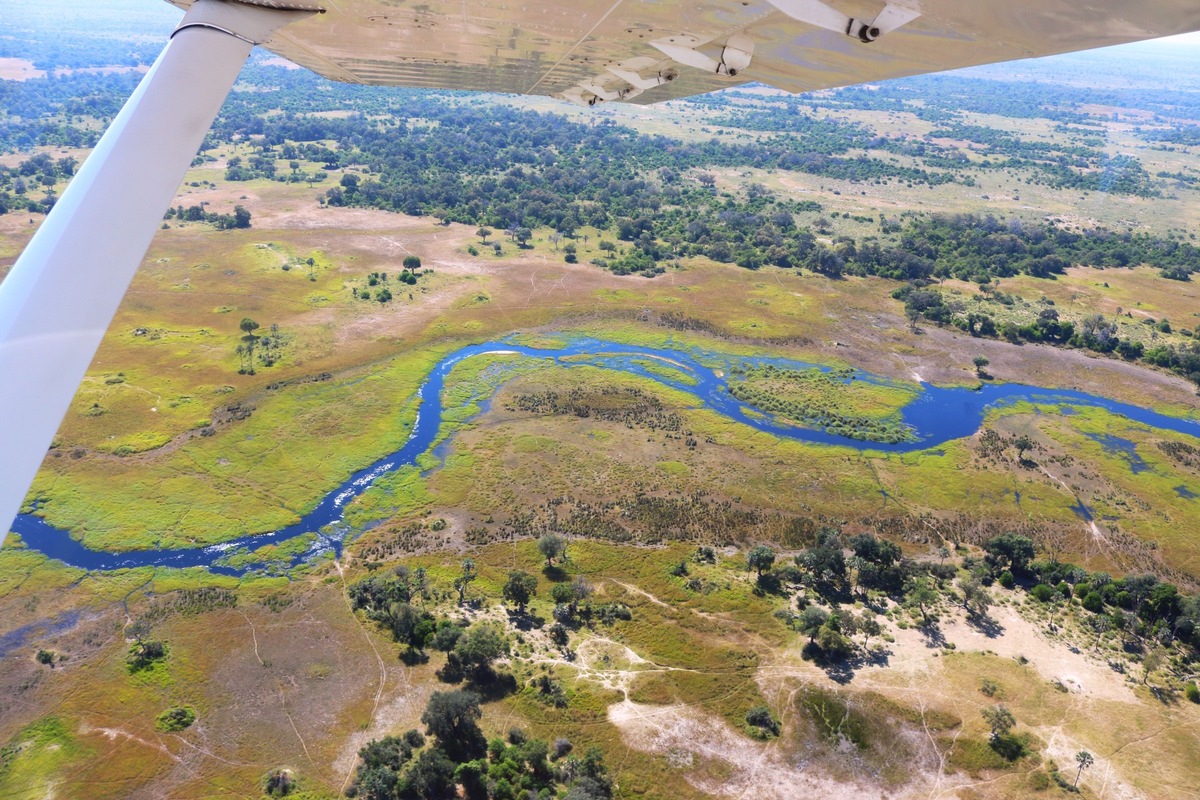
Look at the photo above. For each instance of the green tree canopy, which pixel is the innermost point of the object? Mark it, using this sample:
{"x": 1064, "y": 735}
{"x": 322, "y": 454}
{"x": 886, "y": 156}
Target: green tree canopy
{"x": 519, "y": 589}
{"x": 760, "y": 558}
{"x": 551, "y": 545}
{"x": 452, "y": 717}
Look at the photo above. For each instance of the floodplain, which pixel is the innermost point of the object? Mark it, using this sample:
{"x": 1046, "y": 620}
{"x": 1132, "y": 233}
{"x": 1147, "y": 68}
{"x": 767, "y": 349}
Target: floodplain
{"x": 726, "y": 615}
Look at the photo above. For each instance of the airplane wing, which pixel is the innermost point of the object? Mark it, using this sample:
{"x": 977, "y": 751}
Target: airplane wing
{"x": 647, "y": 51}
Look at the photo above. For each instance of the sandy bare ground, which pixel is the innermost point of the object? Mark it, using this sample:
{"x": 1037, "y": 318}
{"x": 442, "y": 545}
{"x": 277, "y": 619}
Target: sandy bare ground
{"x": 722, "y": 762}
{"x": 19, "y": 69}
{"x": 717, "y": 759}
{"x": 1053, "y": 659}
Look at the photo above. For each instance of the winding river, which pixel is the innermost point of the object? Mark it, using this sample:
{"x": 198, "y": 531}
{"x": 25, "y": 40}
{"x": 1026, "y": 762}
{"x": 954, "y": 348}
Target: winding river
{"x": 936, "y": 416}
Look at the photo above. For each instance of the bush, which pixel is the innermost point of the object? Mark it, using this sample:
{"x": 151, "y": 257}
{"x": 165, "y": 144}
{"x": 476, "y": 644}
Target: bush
{"x": 1042, "y": 593}
{"x": 1093, "y": 602}
{"x": 176, "y": 719}
{"x": 759, "y": 718}
{"x": 143, "y": 654}
{"x": 1192, "y": 692}
{"x": 278, "y": 783}
{"x": 1007, "y": 580}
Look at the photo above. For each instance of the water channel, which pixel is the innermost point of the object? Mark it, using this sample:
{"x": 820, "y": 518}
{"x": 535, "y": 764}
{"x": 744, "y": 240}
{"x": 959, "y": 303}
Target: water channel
{"x": 936, "y": 416}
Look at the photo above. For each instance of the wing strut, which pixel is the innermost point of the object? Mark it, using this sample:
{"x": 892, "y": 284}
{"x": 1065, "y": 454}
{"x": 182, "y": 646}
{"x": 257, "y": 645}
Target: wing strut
{"x": 62, "y": 293}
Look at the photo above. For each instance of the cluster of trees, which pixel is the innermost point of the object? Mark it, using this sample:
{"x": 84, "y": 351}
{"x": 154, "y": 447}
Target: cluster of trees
{"x": 377, "y": 287}
{"x": 38, "y": 172}
{"x": 269, "y": 348}
{"x": 1085, "y": 166}
{"x": 1148, "y": 614}
{"x": 461, "y": 762}
{"x": 829, "y": 575}
{"x": 1094, "y": 332}
{"x": 982, "y": 248}
{"x": 59, "y": 111}
{"x": 1138, "y": 606}
{"x": 240, "y": 218}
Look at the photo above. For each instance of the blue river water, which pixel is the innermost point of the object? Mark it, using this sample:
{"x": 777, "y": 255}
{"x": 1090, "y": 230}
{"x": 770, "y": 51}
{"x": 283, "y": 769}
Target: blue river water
{"x": 936, "y": 416}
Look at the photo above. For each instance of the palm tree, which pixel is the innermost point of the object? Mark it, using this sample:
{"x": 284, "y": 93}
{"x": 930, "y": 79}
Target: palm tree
{"x": 1084, "y": 759}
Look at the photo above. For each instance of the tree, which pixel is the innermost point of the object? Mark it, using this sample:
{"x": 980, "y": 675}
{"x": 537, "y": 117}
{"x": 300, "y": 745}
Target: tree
{"x": 451, "y": 717}
{"x": 559, "y": 634}
{"x": 248, "y": 327}
{"x": 478, "y": 647}
{"x": 1084, "y": 759}
{"x": 405, "y": 622}
{"x": 412, "y": 263}
{"x": 562, "y": 593}
{"x": 869, "y": 626}
{"x": 980, "y": 362}
{"x": 825, "y": 561}
{"x": 138, "y": 630}
{"x": 832, "y": 641}
{"x": 760, "y": 559}
{"x": 1023, "y": 443}
{"x": 522, "y": 235}
{"x": 551, "y": 545}
{"x": 431, "y": 777}
{"x": 519, "y": 589}
{"x": 976, "y": 599}
{"x": 811, "y": 620}
{"x": 1010, "y": 551}
{"x": 464, "y": 579}
{"x": 483, "y": 233}
{"x": 1152, "y": 662}
{"x": 241, "y": 217}
{"x": 999, "y": 719}
{"x": 920, "y": 595}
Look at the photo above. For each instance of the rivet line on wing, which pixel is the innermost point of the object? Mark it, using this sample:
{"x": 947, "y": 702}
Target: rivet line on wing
{"x": 575, "y": 46}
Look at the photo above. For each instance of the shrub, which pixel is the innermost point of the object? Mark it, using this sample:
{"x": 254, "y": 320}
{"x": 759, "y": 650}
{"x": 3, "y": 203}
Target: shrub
{"x": 759, "y": 718}
{"x": 1093, "y": 602}
{"x": 1042, "y": 593}
{"x": 1192, "y": 692}
{"x": 176, "y": 718}
{"x": 1007, "y": 580}
{"x": 143, "y": 654}
{"x": 278, "y": 783}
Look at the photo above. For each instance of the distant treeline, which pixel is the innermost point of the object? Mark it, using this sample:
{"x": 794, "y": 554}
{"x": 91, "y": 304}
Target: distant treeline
{"x": 981, "y": 247}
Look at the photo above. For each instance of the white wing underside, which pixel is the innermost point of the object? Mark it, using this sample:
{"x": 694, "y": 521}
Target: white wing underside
{"x": 653, "y": 50}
